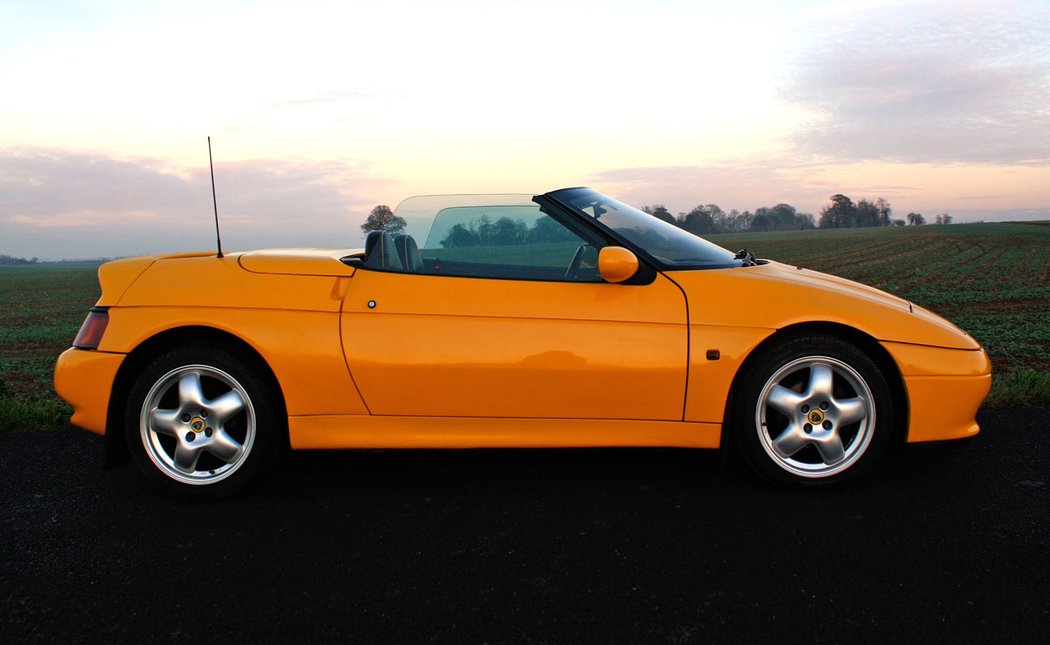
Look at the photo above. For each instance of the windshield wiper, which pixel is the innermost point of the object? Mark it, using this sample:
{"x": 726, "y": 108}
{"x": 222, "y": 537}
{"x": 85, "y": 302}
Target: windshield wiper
{"x": 746, "y": 257}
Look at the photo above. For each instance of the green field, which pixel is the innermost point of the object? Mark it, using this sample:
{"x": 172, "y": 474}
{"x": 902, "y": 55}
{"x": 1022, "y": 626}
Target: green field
{"x": 41, "y": 308}
{"x": 991, "y": 279}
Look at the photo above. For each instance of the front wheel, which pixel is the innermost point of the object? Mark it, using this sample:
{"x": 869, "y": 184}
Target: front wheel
{"x": 202, "y": 422}
{"x": 814, "y": 410}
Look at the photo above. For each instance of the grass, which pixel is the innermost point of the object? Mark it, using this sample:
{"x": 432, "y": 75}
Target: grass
{"x": 41, "y": 308}
{"x": 993, "y": 280}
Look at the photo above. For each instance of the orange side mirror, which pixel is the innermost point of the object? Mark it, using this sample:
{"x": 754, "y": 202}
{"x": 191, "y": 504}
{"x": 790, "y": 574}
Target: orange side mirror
{"x": 617, "y": 264}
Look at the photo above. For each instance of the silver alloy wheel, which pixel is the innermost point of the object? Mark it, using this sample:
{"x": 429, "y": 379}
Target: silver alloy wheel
{"x": 815, "y": 416}
{"x": 197, "y": 424}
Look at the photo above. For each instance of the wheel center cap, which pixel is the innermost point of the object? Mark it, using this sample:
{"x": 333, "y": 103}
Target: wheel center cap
{"x": 197, "y": 424}
{"x": 816, "y": 417}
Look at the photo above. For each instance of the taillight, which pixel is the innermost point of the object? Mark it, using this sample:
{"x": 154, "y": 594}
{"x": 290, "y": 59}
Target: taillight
{"x": 91, "y": 331}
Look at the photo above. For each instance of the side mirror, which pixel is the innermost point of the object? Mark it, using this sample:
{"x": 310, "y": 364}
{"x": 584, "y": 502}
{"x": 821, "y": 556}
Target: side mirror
{"x": 617, "y": 264}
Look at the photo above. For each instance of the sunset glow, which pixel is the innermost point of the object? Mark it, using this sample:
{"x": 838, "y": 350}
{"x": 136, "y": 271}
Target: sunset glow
{"x": 319, "y": 111}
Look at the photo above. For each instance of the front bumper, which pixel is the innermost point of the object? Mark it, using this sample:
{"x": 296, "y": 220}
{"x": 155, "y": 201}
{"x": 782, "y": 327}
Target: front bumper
{"x": 945, "y": 388}
{"x": 84, "y": 379}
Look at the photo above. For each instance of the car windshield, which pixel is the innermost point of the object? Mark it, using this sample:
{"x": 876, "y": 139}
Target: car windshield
{"x": 669, "y": 245}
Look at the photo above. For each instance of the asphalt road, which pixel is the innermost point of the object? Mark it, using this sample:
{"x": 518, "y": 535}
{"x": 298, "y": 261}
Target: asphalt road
{"x": 945, "y": 543}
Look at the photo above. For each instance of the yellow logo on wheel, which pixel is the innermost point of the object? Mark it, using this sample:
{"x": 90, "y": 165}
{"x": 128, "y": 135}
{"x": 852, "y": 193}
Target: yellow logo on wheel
{"x": 816, "y": 417}
{"x": 197, "y": 424}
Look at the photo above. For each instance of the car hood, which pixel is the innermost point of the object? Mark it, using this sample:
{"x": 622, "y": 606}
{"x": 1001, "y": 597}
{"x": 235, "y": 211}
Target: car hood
{"x": 774, "y": 295}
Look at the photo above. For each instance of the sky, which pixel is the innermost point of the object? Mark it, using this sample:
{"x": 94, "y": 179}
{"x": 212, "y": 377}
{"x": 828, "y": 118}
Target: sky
{"x": 318, "y": 111}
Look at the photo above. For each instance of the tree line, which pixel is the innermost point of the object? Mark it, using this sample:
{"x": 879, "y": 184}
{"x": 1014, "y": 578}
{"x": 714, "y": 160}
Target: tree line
{"x": 843, "y": 212}
{"x": 7, "y": 260}
{"x": 506, "y": 231}
{"x": 709, "y": 218}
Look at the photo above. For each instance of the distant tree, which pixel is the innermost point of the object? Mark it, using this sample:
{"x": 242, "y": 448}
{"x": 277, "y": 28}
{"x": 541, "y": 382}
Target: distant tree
{"x": 459, "y": 236}
{"x": 916, "y": 219}
{"x": 943, "y": 218}
{"x": 503, "y": 232}
{"x": 743, "y": 220}
{"x": 867, "y": 214}
{"x": 547, "y": 230}
{"x": 762, "y": 222}
{"x": 383, "y": 219}
{"x": 805, "y": 221}
{"x": 898, "y": 222}
{"x": 723, "y": 222}
{"x": 885, "y": 212}
{"x": 766, "y": 219}
{"x": 701, "y": 220}
{"x": 841, "y": 214}
{"x": 9, "y": 260}
{"x": 783, "y": 217}
{"x": 660, "y": 212}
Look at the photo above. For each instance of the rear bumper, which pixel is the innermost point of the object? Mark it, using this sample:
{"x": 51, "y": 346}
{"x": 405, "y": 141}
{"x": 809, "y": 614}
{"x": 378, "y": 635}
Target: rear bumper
{"x": 84, "y": 379}
{"x": 945, "y": 388}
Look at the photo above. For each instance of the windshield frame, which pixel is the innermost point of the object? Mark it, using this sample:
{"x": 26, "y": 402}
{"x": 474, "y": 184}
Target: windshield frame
{"x": 707, "y": 254}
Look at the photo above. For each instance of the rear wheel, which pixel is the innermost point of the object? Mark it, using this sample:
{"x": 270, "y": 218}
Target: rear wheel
{"x": 202, "y": 422}
{"x": 814, "y": 410}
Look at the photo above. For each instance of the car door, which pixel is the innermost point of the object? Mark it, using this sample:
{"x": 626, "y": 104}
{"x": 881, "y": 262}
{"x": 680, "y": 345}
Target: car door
{"x": 513, "y": 330}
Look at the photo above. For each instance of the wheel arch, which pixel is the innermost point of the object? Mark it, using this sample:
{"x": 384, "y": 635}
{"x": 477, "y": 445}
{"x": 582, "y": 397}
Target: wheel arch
{"x": 116, "y": 452}
{"x": 866, "y": 343}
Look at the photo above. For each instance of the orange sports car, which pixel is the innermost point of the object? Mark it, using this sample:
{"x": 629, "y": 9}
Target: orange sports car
{"x": 561, "y": 319}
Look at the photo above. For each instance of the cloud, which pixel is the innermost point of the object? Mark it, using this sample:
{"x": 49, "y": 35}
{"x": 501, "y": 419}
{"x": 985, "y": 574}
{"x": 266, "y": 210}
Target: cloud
{"x": 743, "y": 186}
{"x": 928, "y": 82}
{"x": 66, "y": 204}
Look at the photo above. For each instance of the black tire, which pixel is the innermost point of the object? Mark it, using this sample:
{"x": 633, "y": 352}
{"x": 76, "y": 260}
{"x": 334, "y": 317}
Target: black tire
{"x": 202, "y": 422}
{"x": 813, "y": 411}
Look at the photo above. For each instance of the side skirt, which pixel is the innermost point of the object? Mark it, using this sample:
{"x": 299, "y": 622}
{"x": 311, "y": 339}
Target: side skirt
{"x": 362, "y": 431}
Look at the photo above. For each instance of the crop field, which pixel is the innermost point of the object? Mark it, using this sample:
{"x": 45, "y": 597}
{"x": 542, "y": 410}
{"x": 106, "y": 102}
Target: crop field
{"x": 41, "y": 308}
{"x": 993, "y": 280}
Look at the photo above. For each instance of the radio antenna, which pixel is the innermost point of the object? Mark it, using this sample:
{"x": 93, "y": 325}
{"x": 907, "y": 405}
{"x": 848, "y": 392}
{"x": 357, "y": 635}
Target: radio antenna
{"x": 214, "y": 202}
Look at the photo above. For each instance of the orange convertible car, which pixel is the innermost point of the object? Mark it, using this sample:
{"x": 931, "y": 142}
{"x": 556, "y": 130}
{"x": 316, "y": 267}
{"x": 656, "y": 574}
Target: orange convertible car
{"x": 562, "y": 319}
